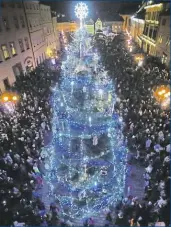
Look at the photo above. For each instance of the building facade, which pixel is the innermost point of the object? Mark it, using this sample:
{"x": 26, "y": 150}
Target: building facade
{"x": 67, "y": 26}
{"x": 163, "y": 39}
{"x": 89, "y": 25}
{"x": 35, "y": 27}
{"x": 16, "y": 55}
{"x": 127, "y": 22}
{"x": 152, "y": 18}
{"x": 56, "y": 33}
{"x": 98, "y": 25}
{"x": 27, "y": 36}
{"x": 48, "y": 31}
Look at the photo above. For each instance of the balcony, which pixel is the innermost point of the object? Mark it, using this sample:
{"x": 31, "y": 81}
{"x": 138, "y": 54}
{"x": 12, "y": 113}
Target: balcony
{"x": 148, "y": 40}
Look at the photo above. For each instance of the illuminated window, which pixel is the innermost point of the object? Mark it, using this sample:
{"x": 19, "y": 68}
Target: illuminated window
{"x": 5, "y": 52}
{"x": 21, "y": 45}
{"x": 6, "y": 23}
{"x": 164, "y": 58}
{"x": 13, "y": 49}
{"x": 160, "y": 39}
{"x": 22, "y": 21}
{"x": 16, "y": 24}
{"x": 26, "y": 43}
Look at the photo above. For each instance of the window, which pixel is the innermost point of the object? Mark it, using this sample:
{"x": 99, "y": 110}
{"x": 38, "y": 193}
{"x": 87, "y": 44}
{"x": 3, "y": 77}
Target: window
{"x": 17, "y": 69}
{"x": 40, "y": 59}
{"x": 150, "y": 33}
{"x": 146, "y": 30}
{"x": 6, "y": 83}
{"x": 26, "y": 43}
{"x": 5, "y": 52}
{"x": 21, "y": 45}
{"x": 30, "y": 25}
{"x": 163, "y": 22}
{"x": 13, "y": 49}
{"x": 157, "y": 16}
{"x": 149, "y": 16}
{"x": 168, "y": 42}
{"x": 154, "y": 34}
{"x": 164, "y": 58}
{"x": 6, "y": 23}
{"x": 160, "y": 39}
{"x": 22, "y": 21}
{"x": 37, "y": 61}
{"x": 16, "y": 22}
{"x": 153, "y": 16}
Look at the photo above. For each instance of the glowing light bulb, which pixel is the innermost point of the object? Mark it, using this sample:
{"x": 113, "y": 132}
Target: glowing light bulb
{"x": 6, "y": 98}
{"x": 14, "y": 98}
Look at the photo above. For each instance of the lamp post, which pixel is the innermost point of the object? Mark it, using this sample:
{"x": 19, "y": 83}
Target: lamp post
{"x": 8, "y": 101}
{"x": 162, "y": 96}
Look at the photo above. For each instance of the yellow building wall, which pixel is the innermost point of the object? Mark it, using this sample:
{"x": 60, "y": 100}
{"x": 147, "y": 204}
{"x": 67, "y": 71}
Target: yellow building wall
{"x": 125, "y": 26}
{"x": 67, "y": 26}
{"x": 90, "y": 29}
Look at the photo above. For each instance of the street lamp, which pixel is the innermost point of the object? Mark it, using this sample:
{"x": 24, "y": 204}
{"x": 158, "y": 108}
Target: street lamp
{"x": 8, "y": 101}
{"x": 162, "y": 95}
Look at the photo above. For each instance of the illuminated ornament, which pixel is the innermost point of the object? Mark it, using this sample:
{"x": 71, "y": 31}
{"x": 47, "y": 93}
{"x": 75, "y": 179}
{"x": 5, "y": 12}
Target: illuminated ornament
{"x": 101, "y": 93}
{"x": 109, "y": 97}
{"x": 84, "y": 89}
{"x": 81, "y": 12}
{"x": 95, "y": 140}
{"x": 72, "y": 85}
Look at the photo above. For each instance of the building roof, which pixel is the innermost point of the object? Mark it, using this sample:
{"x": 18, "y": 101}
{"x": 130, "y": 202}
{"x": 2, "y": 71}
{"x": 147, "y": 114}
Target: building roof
{"x": 89, "y": 22}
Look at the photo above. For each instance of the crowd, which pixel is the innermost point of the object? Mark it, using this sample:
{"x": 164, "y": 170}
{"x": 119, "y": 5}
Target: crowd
{"x": 22, "y": 136}
{"x": 147, "y": 128}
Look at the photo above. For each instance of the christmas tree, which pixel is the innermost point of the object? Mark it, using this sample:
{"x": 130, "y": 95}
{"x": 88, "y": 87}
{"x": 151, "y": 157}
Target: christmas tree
{"x": 86, "y": 160}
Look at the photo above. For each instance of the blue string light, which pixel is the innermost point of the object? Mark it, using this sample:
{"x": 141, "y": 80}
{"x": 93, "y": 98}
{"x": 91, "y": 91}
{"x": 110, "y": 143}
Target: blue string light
{"x": 85, "y": 178}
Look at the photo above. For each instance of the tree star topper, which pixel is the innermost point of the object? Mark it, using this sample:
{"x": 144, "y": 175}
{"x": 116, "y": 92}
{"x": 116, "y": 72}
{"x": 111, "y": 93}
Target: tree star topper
{"x": 81, "y": 10}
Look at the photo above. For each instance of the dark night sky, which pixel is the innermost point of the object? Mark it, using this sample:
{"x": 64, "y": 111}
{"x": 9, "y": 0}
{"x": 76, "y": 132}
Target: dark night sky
{"x": 95, "y": 7}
